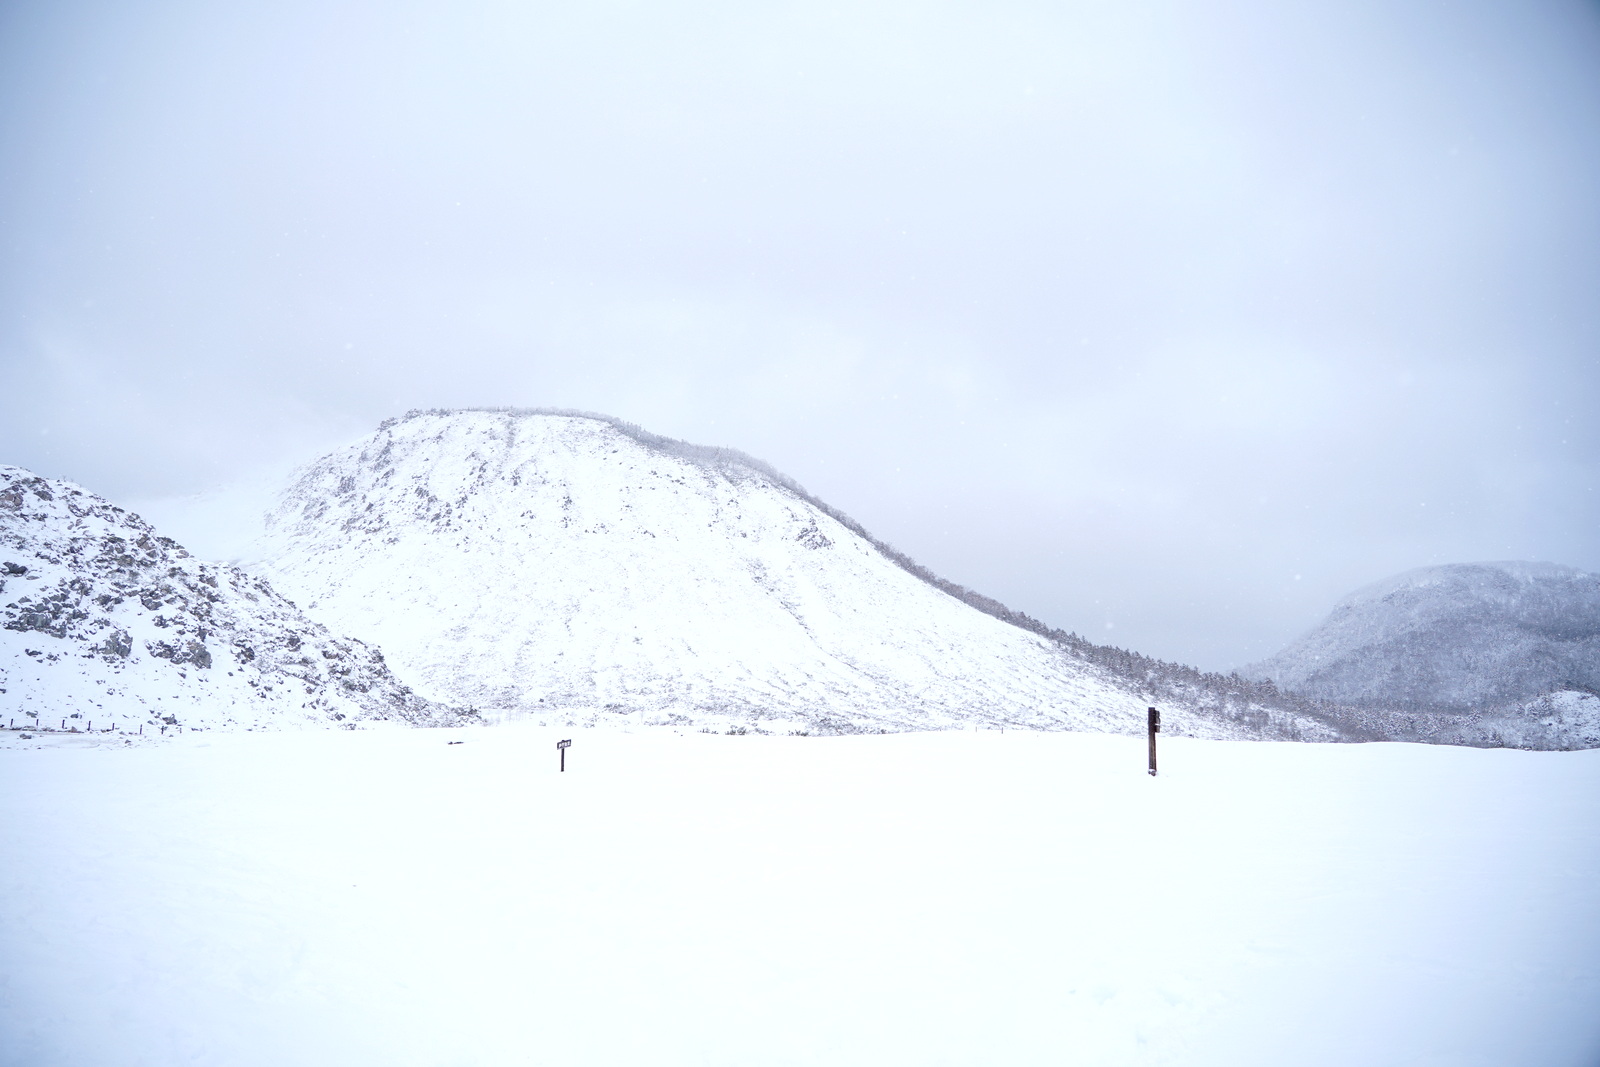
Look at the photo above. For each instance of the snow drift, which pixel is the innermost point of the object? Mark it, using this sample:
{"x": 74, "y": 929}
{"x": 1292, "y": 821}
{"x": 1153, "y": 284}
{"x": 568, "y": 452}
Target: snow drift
{"x": 107, "y": 623}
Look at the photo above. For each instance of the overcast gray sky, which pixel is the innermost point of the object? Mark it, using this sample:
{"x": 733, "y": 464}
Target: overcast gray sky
{"x": 1168, "y": 323}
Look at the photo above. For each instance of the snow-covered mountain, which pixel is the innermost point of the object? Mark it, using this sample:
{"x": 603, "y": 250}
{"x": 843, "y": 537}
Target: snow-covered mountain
{"x": 573, "y": 568}
{"x": 1481, "y": 650}
{"x": 107, "y": 623}
{"x": 1463, "y": 635}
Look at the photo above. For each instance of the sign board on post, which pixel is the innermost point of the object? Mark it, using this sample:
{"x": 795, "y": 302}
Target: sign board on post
{"x": 1155, "y": 728}
{"x": 562, "y": 746}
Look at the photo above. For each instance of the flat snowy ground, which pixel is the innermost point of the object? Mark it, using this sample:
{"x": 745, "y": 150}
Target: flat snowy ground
{"x": 387, "y": 898}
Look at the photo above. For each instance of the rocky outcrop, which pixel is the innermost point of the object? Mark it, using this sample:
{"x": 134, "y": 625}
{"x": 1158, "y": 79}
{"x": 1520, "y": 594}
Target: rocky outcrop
{"x": 103, "y": 620}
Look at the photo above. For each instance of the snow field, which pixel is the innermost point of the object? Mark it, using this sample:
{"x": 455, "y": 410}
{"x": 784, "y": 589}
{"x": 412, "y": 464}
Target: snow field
{"x": 384, "y": 896}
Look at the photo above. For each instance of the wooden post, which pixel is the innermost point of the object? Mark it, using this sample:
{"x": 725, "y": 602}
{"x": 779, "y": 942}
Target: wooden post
{"x": 1155, "y": 728}
{"x": 562, "y": 746}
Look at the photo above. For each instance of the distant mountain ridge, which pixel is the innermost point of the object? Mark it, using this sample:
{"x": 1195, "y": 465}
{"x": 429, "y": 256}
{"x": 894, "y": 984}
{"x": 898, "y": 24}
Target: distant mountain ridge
{"x": 1503, "y": 653}
{"x": 1463, "y": 635}
{"x": 576, "y": 568}
{"x": 573, "y": 566}
{"x": 104, "y": 621}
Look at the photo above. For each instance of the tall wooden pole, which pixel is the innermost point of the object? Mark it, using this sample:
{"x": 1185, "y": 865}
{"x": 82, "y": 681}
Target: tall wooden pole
{"x": 1155, "y": 728}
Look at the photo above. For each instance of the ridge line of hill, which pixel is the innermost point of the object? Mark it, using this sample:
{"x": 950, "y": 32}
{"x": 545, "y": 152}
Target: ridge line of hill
{"x": 1162, "y": 679}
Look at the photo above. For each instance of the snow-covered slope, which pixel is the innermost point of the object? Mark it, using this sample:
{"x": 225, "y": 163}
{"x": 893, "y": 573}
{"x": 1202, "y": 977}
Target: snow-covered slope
{"x": 106, "y": 623}
{"x": 1467, "y": 635}
{"x": 575, "y": 568}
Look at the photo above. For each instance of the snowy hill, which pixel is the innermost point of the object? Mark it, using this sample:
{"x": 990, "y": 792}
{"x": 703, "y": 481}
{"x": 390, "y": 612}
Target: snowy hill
{"x": 106, "y": 623}
{"x": 1482, "y": 650}
{"x": 571, "y": 567}
{"x": 1463, "y": 635}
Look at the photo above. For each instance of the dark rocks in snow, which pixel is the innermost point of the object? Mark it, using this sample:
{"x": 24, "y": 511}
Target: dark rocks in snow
{"x": 116, "y": 645}
{"x": 129, "y": 618}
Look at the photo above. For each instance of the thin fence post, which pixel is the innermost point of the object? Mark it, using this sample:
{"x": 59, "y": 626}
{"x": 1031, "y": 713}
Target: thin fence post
{"x": 1155, "y": 728}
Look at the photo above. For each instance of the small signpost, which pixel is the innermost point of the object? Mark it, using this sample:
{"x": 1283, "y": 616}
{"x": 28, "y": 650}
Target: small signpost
{"x": 562, "y": 746}
{"x": 1155, "y": 728}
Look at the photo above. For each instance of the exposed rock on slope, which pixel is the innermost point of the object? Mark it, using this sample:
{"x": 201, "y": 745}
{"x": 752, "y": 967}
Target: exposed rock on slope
{"x": 106, "y": 622}
{"x": 576, "y": 568}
